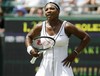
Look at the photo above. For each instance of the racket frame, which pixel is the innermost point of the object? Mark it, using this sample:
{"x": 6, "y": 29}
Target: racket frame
{"x": 32, "y": 61}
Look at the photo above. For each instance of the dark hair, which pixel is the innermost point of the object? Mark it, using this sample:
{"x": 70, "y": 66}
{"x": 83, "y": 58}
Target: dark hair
{"x": 57, "y": 6}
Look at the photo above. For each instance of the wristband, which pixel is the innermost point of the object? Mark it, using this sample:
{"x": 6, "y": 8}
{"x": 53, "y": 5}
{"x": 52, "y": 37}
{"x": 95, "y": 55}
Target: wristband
{"x": 76, "y": 52}
{"x": 29, "y": 48}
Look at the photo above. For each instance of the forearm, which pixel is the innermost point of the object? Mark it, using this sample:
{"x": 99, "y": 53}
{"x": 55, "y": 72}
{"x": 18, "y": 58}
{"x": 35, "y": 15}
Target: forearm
{"x": 82, "y": 44}
{"x": 28, "y": 41}
{"x": 30, "y": 49}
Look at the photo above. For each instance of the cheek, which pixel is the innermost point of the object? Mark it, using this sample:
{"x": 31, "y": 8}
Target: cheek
{"x": 45, "y": 14}
{"x": 55, "y": 14}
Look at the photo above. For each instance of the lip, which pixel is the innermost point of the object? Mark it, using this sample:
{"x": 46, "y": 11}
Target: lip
{"x": 49, "y": 16}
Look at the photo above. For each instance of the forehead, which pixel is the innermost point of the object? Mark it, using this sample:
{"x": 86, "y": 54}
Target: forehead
{"x": 50, "y": 5}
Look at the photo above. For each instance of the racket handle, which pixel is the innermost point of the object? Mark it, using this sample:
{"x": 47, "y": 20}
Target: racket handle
{"x": 32, "y": 61}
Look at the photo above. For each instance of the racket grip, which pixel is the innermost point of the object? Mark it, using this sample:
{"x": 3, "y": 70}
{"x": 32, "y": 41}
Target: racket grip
{"x": 32, "y": 61}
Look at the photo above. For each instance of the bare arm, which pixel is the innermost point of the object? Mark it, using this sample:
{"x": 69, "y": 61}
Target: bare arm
{"x": 85, "y": 2}
{"x": 83, "y": 36}
{"x": 29, "y": 37}
{"x": 93, "y": 2}
{"x": 35, "y": 31}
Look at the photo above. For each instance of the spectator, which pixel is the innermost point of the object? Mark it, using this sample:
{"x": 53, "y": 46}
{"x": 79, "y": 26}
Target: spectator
{"x": 18, "y": 3}
{"x": 67, "y": 5}
{"x": 1, "y": 21}
{"x": 1, "y": 36}
{"x": 40, "y": 12}
{"x": 19, "y": 11}
{"x": 34, "y": 7}
{"x": 31, "y": 3}
{"x": 36, "y": 11}
{"x": 96, "y": 3}
{"x": 0, "y": 1}
{"x": 81, "y": 4}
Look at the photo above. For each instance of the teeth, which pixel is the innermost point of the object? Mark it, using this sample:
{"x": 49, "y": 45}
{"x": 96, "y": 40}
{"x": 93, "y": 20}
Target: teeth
{"x": 48, "y": 14}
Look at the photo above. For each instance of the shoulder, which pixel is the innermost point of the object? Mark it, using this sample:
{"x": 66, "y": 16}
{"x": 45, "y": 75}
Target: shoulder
{"x": 35, "y": 31}
{"x": 72, "y": 29}
{"x": 69, "y": 26}
{"x": 38, "y": 26}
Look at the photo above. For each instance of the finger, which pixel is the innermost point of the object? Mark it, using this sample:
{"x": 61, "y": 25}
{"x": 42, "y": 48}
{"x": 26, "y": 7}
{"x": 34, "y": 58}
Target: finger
{"x": 35, "y": 54}
{"x": 67, "y": 64}
{"x": 63, "y": 60}
{"x": 40, "y": 54}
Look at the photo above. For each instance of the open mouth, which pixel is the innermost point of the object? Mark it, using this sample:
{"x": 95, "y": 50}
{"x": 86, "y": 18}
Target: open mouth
{"x": 49, "y": 15}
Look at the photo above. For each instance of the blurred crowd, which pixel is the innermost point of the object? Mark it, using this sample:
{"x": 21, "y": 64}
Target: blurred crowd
{"x": 35, "y": 8}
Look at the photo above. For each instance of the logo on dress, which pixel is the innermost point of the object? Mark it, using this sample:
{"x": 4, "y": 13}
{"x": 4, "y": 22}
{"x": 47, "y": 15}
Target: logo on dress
{"x": 61, "y": 35}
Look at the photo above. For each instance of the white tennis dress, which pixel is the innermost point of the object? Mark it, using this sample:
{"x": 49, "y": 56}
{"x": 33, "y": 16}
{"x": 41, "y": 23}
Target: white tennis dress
{"x": 51, "y": 64}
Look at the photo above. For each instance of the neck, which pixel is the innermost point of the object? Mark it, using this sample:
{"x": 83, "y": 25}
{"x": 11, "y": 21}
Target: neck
{"x": 53, "y": 22}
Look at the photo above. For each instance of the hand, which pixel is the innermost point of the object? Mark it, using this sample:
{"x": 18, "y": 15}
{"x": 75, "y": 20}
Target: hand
{"x": 68, "y": 61}
{"x": 35, "y": 53}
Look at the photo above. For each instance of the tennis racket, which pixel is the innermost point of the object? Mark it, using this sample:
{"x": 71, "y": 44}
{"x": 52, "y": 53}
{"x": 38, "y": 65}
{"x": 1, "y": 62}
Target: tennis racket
{"x": 41, "y": 44}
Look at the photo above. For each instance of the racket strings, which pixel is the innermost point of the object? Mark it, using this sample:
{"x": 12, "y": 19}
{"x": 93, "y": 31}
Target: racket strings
{"x": 43, "y": 42}
{"x": 48, "y": 43}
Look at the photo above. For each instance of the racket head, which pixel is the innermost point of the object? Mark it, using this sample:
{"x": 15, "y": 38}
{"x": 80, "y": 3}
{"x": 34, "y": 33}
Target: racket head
{"x": 43, "y": 43}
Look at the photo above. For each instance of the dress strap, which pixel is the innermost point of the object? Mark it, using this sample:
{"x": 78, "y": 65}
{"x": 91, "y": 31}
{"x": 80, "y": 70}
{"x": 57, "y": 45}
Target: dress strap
{"x": 63, "y": 24}
{"x": 43, "y": 28}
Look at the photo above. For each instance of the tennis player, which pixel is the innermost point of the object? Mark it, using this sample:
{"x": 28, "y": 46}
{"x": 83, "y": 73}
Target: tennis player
{"x": 56, "y": 61}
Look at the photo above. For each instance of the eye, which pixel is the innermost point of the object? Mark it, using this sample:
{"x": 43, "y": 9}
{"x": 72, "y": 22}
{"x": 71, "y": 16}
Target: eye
{"x": 51, "y": 8}
{"x": 46, "y": 9}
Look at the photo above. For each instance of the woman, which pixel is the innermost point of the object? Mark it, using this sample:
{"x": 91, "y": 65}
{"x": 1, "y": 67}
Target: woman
{"x": 56, "y": 62}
